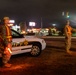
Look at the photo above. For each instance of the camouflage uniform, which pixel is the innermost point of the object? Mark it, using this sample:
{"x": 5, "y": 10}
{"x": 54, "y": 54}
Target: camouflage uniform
{"x": 68, "y": 33}
{"x": 6, "y": 40}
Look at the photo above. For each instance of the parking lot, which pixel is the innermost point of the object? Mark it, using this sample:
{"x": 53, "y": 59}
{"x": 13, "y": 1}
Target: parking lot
{"x": 53, "y": 60}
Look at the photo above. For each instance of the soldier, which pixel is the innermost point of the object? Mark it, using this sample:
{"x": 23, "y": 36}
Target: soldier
{"x": 68, "y": 33}
{"x": 6, "y": 39}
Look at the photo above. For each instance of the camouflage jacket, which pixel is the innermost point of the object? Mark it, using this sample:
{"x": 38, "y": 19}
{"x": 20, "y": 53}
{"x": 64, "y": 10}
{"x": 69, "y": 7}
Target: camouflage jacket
{"x": 5, "y": 34}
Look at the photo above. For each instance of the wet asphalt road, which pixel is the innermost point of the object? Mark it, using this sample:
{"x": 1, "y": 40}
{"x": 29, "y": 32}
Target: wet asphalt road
{"x": 53, "y": 61}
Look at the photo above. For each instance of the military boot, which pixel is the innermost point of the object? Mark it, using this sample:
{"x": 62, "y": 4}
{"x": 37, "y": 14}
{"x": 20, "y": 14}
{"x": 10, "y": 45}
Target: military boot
{"x": 7, "y": 65}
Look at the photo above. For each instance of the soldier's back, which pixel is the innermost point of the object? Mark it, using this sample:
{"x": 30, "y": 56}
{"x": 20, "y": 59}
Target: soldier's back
{"x": 1, "y": 38}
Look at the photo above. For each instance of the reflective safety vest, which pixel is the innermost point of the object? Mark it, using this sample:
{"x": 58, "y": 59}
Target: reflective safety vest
{"x": 8, "y": 33}
{"x": 69, "y": 29}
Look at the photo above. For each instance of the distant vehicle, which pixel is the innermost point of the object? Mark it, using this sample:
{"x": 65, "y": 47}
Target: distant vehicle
{"x": 24, "y": 44}
{"x": 42, "y": 32}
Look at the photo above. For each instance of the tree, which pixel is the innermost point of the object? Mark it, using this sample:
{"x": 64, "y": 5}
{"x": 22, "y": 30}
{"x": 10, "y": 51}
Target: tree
{"x": 23, "y": 26}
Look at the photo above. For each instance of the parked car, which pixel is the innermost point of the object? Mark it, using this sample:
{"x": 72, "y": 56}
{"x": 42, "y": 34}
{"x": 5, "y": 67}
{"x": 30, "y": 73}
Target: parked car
{"x": 24, "y": 44}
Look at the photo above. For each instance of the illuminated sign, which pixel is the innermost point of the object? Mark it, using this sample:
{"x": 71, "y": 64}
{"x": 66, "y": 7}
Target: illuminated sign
{"x": 31, "y": 23}
{"x": 12, "y": 21}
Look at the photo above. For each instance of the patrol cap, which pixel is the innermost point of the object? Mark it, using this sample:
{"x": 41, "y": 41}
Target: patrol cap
{"x": 6, "y": 18}
{"x": 67, "y": 21}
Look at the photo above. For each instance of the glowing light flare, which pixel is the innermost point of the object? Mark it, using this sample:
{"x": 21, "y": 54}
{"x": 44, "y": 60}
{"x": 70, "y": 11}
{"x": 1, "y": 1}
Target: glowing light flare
{"x": 63, "y": 13}
{"x": 10, "y": 24}
{"x": 47, "y": 29}
{"x": 23, "y": 32}
{"x": 54, "y": 24}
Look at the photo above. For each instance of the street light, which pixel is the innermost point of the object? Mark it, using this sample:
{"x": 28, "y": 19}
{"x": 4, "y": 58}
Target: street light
{"x": 67, "y": 15}
{"x": 54, "y": 24}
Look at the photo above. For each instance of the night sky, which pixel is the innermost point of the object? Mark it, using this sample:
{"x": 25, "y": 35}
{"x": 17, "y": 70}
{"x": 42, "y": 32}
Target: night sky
{"x": 33, "y": 10}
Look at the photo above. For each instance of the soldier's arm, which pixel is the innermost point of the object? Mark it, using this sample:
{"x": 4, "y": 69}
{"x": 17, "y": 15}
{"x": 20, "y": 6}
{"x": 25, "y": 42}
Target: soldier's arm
{"x": 4, "y": 36}
{"x": 65, "y": 30}
{"x": 73, "y": 29}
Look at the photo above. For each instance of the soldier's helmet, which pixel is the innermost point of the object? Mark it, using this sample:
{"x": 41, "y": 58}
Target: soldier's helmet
{"x": 6, "y": 18}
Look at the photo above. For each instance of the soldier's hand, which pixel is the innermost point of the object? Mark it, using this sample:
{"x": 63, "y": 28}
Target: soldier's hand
{"x": 66, "y": 37}
{"x": 6, "y": 50}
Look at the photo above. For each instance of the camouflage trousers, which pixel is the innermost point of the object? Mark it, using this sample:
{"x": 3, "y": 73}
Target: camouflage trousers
{"x": 5, "y": 56}
{"x": 68, "y": 43}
